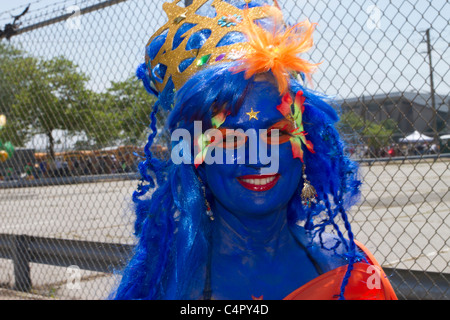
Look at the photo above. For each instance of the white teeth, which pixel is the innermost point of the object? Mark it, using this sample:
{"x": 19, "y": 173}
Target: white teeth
{"x": 259, "y": 182}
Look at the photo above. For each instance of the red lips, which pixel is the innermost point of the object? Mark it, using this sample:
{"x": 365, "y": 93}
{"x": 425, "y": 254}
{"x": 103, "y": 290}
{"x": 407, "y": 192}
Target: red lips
{"x": 259, "y": 182}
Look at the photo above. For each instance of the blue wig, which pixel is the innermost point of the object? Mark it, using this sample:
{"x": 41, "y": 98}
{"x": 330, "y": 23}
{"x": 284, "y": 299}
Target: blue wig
{"x": 171, "y": 256}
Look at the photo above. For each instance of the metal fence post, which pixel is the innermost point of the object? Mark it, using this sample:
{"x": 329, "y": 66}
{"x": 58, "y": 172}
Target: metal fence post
{"x": 21, "y": 260}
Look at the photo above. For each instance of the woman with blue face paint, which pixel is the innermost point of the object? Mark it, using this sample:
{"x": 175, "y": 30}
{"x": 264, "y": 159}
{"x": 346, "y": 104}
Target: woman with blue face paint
{"x": 253, "y": 225}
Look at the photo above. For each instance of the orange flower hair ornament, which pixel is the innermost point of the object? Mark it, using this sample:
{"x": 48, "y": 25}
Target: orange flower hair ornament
{"x": 294, "y": 112}
{"x": 277, "y": 50}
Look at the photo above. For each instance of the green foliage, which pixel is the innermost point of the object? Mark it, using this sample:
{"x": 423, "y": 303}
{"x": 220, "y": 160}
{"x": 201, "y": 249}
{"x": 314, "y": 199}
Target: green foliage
{"x": 39, "y": 96}
{"x": 376, "y": 135}
{"x": 132, "y": 102}
{"x": 13, "y": 74}
{"x": 118, "y": 116}
{"x": 48, "y": 97}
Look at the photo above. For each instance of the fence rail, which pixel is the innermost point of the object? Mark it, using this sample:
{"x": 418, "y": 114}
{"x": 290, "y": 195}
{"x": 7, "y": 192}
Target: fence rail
{"x": 386, "y": 63}
{"x": 108, "y": 257}
{"x": 24, "y": 183}
{"x": 64, "y": 17}
{"x": 94, "y": 256}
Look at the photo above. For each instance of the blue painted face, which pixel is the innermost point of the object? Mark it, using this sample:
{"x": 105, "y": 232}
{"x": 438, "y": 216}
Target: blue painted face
{"x": 240, "y": 187}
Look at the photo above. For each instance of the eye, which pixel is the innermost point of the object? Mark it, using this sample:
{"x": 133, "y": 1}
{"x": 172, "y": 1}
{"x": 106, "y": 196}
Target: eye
{"x": 279, "y": 133}
{"x": 277, "y": 136}
{"x": 233, "y": 139}
{"x": 273, "y": 133}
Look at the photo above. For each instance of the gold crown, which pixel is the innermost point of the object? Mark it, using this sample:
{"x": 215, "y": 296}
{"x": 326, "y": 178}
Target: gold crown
{"x": 227, "y": 19}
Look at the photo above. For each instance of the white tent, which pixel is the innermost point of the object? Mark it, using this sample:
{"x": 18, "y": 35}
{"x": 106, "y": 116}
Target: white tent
{"x": 416, "y": 137}
{"x": 445, "y": 137}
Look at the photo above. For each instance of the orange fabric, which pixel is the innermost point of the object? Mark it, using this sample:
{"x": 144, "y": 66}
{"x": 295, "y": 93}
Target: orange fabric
{"x": 367, "y": 282}
{"x": 277, "y": 50}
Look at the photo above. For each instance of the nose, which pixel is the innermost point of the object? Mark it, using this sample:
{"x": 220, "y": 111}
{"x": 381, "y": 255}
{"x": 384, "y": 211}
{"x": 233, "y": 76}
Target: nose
{"x": 258, "y": 166}
{"x": 257, "y": 151}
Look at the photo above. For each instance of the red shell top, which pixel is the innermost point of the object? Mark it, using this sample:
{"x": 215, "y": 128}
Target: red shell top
{"x": 367, "y": 282}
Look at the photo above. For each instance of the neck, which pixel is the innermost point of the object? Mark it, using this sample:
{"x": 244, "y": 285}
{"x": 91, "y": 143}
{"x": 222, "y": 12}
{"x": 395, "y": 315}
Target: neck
{"x": 238, "y": 234}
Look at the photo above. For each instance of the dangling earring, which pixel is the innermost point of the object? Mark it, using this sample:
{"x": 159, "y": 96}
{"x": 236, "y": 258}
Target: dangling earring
{"x": 209, "y": 212}
{"x": 309, "y": 193}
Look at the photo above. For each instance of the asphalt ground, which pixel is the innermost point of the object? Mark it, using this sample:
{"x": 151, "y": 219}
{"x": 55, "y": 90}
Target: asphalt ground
{"x": 403, "y": 218}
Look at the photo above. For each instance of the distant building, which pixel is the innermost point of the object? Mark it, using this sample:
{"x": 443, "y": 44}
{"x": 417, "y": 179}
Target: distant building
{"x": 411, "y": 111}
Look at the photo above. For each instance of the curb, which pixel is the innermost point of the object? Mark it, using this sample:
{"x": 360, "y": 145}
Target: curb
{"x": 8, "y": 294}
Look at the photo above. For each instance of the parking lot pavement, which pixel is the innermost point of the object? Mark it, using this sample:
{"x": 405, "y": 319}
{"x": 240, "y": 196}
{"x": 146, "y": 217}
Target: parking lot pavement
{"x": 402, "y": 218}
{"x": 7, "y": 294}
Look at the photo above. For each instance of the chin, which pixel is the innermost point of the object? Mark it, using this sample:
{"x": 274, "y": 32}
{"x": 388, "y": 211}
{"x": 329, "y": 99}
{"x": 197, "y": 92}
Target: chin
{"x": 257, "y": 203}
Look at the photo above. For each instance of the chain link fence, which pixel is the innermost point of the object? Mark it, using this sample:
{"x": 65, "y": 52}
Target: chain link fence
{"x": 77, "y": 120}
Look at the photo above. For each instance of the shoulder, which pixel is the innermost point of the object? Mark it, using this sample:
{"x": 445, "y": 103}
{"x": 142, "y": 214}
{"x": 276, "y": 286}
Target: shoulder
{"x": 367, "y": 281}
{"x": 327, "y": 250}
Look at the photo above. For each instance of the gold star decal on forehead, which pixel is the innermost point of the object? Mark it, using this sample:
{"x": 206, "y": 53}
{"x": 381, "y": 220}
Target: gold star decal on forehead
{"x": 252, "y": 115}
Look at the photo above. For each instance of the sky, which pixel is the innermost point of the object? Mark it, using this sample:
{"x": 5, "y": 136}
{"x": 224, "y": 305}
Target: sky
{"x": 364, "y": 47}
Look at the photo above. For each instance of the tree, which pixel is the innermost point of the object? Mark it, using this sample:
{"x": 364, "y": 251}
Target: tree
{"x": 49, "y": 98}
{"x": 375, "y": 135}
{"x": 14, "y": 68}
{"x": 133, "y": 103}
{"x": 40, "y": 96}
{"x": 98, "y": 120}
{"x": 118, "y": 116}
